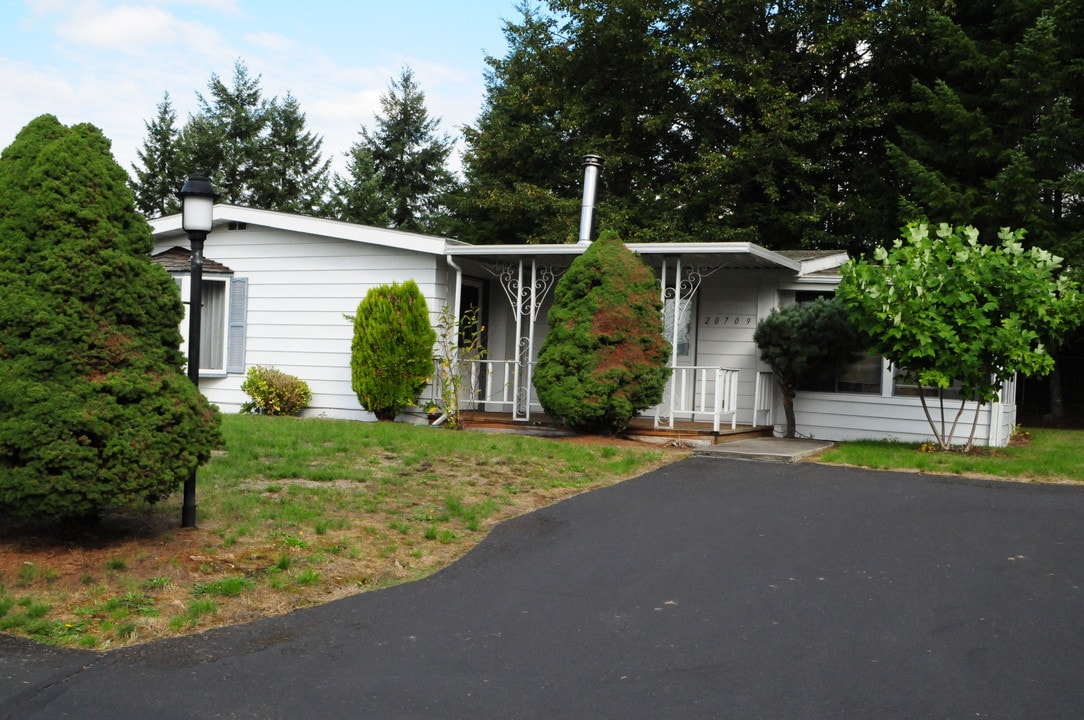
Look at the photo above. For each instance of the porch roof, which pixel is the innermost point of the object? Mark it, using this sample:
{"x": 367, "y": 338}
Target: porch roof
{"x": 734, "y": 255}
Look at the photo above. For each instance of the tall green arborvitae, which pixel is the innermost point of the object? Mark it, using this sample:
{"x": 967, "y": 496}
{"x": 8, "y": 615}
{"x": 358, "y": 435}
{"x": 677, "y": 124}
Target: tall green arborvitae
{"x": 604, "y": 358}
{"x": 95, "y": 410}
{"x": 392, "y": 351}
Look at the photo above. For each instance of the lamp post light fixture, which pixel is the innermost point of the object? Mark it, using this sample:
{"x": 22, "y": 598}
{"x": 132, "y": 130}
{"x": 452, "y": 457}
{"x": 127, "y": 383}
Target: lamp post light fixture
{"x": 197, "y": 217}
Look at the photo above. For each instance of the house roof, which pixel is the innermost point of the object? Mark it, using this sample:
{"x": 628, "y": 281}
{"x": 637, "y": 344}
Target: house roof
{"x": 732, "y": 255}
{"x": 179, "y": 260}
{"x": 170, "y": 226}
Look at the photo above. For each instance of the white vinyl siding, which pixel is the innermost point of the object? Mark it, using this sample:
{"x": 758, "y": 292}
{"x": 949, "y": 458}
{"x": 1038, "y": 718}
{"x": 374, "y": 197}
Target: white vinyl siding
{"x": 290, "y": 309}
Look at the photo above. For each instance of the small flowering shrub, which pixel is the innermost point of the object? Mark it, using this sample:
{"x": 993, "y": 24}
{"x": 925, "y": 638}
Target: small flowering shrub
{"x": 273, "y": 392}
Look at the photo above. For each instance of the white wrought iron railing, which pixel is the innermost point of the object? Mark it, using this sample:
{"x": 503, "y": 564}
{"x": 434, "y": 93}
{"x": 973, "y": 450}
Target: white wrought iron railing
{"x": 493, "y": 386}
{"x": 762, "y": 398}
{"x": 699, "y": 392}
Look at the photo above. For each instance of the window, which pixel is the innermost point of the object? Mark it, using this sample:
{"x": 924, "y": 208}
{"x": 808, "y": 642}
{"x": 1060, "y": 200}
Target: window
{"x": 222, "y": 323}
{"x": 863, "y": 376}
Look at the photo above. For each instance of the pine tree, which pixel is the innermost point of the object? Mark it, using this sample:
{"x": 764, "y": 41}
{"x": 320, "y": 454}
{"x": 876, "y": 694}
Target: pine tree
{"x": 409, "y": 160}
{"x": 95, "y": 410}
{"x": 258, "y": 152}
{"x": 604, "y": 358}
{"x": 157, "y": 176}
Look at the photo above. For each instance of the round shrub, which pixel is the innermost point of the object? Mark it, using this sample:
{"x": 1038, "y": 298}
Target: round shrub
{"x": 392, "y": 353}
{"x": 274, "y": 392}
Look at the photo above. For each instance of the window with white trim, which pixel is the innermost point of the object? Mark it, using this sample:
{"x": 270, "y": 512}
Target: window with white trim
{"x": 222, "y": 322}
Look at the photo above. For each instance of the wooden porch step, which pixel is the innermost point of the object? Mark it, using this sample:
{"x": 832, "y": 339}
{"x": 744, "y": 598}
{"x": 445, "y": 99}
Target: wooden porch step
{"x": 641, "y": 429}
{"x": 692, "y": 433}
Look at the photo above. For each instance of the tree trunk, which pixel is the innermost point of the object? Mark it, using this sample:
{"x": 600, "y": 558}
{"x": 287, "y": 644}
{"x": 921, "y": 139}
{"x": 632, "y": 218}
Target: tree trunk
{"x": 788, "y": 410}
{"x": 1057, "y": 395}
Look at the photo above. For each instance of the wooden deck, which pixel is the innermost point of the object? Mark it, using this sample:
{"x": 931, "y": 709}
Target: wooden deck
{"x": 641, "y": 428}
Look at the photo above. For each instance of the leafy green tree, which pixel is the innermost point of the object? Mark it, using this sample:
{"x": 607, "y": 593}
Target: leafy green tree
{"x": 804, "y": 343}
{"x": 945, "y": 308}
{"x": 604, "y": 358}
{"x": 392, "y": 352}
{"x": 409, "y": 172}
{"x": 95, "y": 410}
{"x": 157, "y": 176}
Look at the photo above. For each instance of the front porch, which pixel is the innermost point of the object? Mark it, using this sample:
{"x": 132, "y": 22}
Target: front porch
{"x": 642, "y": 429}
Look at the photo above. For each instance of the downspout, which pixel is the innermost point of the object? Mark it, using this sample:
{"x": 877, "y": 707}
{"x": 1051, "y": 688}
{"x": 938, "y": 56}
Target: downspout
{"x": 456, "y": 309}
{"x": 592, "y": 164}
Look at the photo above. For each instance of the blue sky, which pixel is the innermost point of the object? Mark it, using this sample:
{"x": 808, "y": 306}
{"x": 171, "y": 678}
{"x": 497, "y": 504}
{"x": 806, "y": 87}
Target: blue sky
{"x": 109, "y": 63}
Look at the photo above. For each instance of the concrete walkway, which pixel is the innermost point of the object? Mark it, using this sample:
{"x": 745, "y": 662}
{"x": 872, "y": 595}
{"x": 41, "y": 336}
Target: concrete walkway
{"x": 773, "y": 449}
{"x": 710, "y": 588}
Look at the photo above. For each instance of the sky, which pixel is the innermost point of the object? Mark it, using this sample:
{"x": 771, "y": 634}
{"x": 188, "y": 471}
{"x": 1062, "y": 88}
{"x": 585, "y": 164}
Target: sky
{"x": 110, "y": 62}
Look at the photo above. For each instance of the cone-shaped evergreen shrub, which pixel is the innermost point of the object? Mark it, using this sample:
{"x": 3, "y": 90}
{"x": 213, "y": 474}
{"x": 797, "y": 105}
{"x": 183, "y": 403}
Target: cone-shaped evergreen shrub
{"x": 95, "y": 410}
{"x": 605, "y": 357}
{"x": 392, "y": 352}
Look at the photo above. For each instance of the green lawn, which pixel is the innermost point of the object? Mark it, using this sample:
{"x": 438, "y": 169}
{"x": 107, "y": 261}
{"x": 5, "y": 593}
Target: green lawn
{"x": 1044, "y": 456}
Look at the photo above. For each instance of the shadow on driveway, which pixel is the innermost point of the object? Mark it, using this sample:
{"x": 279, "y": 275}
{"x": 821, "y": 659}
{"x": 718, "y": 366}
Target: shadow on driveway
{"x": 711, "y": 588}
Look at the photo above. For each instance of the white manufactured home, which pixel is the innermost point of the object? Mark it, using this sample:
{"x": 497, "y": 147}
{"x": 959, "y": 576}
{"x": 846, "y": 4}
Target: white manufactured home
{"x": 277, "y": 288}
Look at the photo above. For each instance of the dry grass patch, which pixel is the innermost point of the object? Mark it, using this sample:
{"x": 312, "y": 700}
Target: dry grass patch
{"x": 293, "y": 513}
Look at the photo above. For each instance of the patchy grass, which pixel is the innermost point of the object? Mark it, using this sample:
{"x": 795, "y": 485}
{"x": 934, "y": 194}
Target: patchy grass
{"x": 1041, "y": 455}
{"x": 292, "y": 514}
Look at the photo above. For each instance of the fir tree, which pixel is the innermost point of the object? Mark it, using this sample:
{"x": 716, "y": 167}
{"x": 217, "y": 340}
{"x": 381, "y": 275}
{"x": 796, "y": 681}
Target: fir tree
{"x": 157, "y": 176}
{"x": 409, "y": 160}
{"x": 296, "y": 177}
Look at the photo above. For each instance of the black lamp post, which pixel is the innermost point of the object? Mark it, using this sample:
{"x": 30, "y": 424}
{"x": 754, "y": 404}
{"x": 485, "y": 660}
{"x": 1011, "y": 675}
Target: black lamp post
{"x": 197, "y": 200}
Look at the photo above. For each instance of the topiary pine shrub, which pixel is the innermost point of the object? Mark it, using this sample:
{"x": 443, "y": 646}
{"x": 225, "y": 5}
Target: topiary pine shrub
{"x": 804, "y": 343}
{"x": 274, "y": 392}
{"x": 392, "y": 352}
{"x": 95, "y": 409}
{"x": 604, "y": 358}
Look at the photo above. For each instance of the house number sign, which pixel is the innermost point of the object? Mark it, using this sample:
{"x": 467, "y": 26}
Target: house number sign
{"x": 731, "y": 321}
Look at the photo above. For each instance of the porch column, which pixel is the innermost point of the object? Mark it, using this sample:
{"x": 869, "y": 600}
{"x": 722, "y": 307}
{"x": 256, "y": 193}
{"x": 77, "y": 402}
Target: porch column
{"x": 526, "y": 299}
{"x": 679, "y": 292}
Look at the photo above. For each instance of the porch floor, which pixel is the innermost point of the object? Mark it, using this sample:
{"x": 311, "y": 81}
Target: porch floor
{"x": 685, "y": 432}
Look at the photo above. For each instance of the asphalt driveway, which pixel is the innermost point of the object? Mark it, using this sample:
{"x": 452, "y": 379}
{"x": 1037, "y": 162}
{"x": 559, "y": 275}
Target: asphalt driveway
{"x": 711, "y": 588}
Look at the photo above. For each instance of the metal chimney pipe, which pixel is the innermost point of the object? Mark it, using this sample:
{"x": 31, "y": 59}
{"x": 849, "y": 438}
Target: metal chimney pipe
{"x": 592, "y": 164}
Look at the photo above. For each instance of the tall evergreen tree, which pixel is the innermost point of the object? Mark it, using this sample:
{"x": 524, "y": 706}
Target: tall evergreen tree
{"x": 992, "y": 132}
{"x": 296, "y": 177}
{"x": 358, "y": 197}
{"x": 95, "y": 410}
{"x": 258, "y": 152}
{"x": 229, "y": 138}
{"x": 409, "y": 161}
{"x": 727, "y": 120}
{"x": 157, "y": 175}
